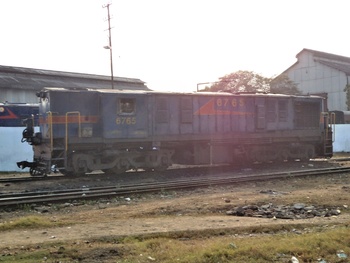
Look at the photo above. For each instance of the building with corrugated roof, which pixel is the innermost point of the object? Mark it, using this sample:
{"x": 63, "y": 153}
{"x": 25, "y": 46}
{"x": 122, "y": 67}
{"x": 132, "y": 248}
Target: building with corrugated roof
{"x": 19, "y": 85}
{"x": 322, "y": 73}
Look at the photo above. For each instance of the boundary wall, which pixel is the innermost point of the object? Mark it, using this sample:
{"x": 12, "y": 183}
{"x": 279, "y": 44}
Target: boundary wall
{"x": 13, "y": 150}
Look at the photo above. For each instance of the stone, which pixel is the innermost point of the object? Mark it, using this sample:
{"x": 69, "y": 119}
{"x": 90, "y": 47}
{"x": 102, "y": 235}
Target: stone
{"x": 299, "y": 206}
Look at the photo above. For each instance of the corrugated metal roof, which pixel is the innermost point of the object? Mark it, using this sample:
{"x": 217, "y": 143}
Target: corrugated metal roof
{"x": 326, "y": 55}
{"x": 340, "y": 63}
{"x": 36, "y": 79}
{"x": 339, "y": 66}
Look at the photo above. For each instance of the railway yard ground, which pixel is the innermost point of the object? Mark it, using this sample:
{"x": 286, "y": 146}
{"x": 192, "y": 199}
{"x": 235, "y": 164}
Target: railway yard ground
{"x": 263, "y": 221}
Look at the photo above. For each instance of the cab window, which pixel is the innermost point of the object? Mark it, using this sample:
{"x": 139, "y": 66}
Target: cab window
{"x": 127, "y": 106}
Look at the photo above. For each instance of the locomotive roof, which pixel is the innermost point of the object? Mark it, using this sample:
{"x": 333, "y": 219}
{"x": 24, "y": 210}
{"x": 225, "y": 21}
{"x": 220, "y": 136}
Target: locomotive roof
{"x": 194, "y": 93}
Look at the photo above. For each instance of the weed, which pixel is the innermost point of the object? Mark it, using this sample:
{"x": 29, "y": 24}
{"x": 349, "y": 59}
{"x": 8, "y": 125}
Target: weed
{"x": 28, "y": 222}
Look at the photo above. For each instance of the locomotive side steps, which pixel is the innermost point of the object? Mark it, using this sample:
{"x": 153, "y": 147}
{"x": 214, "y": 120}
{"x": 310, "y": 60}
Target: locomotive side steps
{"x": 330, "y": 134}
{"x": 59, "y": 151}
{"x": 58, "y": 156}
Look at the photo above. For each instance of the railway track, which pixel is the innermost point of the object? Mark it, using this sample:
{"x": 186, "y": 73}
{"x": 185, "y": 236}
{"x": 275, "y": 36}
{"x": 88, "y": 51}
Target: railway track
{"x": 84, "y": 193}
{"x": 27, "y": 178}
{"x": 102, "y": 175}
{"x": 58, "y": 176}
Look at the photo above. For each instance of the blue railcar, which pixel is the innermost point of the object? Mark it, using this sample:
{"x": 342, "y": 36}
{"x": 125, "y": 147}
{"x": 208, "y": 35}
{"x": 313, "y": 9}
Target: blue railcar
{"x": 113, "y": 130}
{"x": 14, "y": 114}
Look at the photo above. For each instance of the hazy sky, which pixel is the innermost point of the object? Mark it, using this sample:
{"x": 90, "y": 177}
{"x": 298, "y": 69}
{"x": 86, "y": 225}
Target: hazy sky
{"x": 171, "y": 45}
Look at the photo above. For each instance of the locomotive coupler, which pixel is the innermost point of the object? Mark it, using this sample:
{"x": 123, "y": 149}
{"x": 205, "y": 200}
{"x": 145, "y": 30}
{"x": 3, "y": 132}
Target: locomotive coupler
{"x": 25, "y": 164}
{"x": 34, "y": 168}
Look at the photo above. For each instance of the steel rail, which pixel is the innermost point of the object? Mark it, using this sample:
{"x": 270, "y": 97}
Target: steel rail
{"x": 28, "y": 178}
{"x": 60, "y": 176}
{"x": 8, "y": 200}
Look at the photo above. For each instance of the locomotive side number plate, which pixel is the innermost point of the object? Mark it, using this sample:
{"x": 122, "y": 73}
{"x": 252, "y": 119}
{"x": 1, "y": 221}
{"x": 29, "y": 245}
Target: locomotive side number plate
{"x": 225, "y": 102}
{"x": 125, "y": 121}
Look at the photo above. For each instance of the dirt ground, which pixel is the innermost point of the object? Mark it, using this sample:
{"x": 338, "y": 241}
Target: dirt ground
{"x": 184, "y": 210}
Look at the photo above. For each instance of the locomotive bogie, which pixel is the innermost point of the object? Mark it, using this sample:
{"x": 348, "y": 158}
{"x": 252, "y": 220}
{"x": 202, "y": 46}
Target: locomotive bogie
{"x": 119, "y": 161}
{"x": 115, "y": 131}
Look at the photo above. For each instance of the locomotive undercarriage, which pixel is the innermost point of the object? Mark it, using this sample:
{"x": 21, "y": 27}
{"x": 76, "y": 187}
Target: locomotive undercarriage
{"x": 281, "y": 153}
{"x": 112, "y": 160}
{"x": 119, "y": 161}
{"x": 81, "y": 158}
{"x": 92, "y": 157}
{"x": 207, "y": 153}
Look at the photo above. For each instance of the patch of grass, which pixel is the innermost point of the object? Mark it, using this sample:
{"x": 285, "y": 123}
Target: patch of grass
{"x": 25, "y": 207}
{"x": 260, "y": 248}
{"x": 64, "y": 252}
{"x": 189, "y": 247}
{"x": 55, "y": 253}
{"x": 29, "y": 222}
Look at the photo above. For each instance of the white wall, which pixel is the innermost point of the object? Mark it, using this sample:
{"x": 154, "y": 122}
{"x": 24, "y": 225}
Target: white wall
{"x": 12, "y": 150}
{"x": 18, "y": 96}
{"x": 342, "y": 138}
{"x": 311, "y": 76}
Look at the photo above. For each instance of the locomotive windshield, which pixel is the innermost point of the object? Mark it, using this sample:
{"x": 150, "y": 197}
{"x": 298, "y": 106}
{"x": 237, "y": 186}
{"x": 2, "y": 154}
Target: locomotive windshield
{"x": 127, "y": 106}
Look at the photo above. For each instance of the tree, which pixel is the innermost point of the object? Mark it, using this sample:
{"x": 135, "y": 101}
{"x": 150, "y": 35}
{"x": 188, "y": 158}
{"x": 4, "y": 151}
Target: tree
{"x": 242, "y": 81}
{"x": 248, "y": 81}
{"x": 347, "y": 92}
{"x": 282, "y": 84}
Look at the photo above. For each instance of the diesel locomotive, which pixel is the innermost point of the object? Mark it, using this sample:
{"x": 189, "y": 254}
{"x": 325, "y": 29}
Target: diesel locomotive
{"x": 118, "y": 130}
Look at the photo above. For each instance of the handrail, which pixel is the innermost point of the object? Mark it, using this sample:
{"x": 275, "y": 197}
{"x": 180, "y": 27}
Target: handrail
{"x": 49, "y": 120}
{"x": 332, "y": 120}
{"x": 325, "y": 116}
{"x": 329, "y": 124}
{"x": 79, "y": 130}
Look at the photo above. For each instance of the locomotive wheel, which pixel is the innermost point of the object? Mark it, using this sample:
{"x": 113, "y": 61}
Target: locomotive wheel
{"x": 283, "y": 155}
{"x": 35, "y": 172}
{"x": 80, "y": 163}
{"x": 254, "y": 155}
{"x": 309, "y": 153}
{"x": 122, "y": 166}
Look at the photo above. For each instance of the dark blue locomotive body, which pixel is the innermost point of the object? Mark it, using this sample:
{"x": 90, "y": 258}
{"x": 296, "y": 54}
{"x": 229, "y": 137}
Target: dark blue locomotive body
{"x": 111, "y": 130}
{"x": 13, "y": 114}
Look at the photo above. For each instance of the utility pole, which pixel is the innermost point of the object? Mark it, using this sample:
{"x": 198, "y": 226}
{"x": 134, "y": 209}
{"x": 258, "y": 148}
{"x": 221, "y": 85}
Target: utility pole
{"x": 109, "y": 42}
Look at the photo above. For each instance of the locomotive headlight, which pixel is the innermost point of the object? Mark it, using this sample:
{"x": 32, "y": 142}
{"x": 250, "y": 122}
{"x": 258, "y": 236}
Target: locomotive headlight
{"x": 86, "y": 131}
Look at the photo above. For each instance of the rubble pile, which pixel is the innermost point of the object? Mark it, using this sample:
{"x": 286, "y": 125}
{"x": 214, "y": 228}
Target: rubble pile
{"x": 295, "y": 211}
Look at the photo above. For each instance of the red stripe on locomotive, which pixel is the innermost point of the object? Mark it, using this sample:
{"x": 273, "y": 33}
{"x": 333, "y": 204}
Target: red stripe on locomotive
{"x": 69, "y": 119}
{"x": 10, "y": 115}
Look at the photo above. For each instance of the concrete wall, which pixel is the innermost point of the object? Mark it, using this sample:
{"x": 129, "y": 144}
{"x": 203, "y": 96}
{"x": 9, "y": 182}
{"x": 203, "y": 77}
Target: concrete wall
{"x": 12, "y": 150}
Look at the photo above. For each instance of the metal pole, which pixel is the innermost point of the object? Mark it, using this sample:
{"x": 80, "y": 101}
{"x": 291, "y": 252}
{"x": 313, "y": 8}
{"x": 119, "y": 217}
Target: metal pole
{"x": 110, "y": 43}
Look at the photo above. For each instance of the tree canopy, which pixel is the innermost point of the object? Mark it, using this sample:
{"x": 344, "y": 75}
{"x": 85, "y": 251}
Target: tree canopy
{"x": 284, "y": 85}
{"x": 248, "y": 81}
